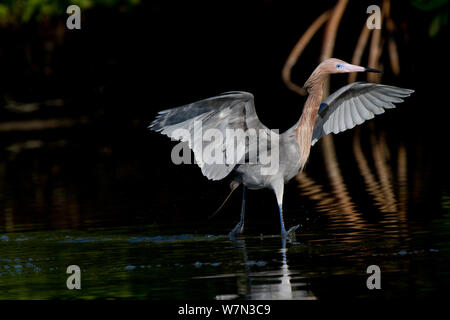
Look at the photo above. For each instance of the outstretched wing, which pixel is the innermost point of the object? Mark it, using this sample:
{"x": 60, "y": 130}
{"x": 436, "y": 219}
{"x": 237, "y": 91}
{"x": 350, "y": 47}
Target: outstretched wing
{"x": 353, "y": 104}
{"x": 231, "y": 110}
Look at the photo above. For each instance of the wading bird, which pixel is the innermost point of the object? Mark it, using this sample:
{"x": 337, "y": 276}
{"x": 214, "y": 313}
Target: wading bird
{"x": 349, "y": 106}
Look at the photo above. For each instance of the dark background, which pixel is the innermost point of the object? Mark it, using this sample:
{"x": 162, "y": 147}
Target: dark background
{"x": 125, "y": 65}
{"x": 83, "y": 181}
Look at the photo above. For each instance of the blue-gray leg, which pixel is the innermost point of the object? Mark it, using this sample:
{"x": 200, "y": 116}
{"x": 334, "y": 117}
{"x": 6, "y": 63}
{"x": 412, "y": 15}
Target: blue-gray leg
{"x": 283, "y": 229}
{"x": 239, "y": 228}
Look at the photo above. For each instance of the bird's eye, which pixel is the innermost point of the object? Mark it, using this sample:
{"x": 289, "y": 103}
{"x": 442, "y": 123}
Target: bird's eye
{"x": 339, "y": 66}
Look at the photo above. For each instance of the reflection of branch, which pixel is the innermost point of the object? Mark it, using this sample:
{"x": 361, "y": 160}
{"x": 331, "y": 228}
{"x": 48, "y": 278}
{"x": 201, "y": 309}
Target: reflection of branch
{"x": 325, "y": 201}
{"x": 370, "y": 180}
{"x": 41, "y": 124}
{"x": 297, "y": 51}
{"x": 334, "y": 173}
{"x": 402, "y": 175}
{"x": 384, "y": 172}
{"x": 418, "y": 175}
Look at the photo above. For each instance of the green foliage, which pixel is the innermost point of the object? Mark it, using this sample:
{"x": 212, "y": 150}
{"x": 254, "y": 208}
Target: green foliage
{"x": 441, "y": 17}
{"x": 23, "y": 11}
{"x": 428, "y": 5}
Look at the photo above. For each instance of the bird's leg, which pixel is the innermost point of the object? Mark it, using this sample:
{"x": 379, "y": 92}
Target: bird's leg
{"x": 283, "y": 229}
{"x": 239, "y": 228}
{"x": 278, "y": 188}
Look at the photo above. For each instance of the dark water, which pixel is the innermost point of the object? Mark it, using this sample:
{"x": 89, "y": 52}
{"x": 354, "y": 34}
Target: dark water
{"x": 150, "y": 264}
{"x": 139, "y": 229}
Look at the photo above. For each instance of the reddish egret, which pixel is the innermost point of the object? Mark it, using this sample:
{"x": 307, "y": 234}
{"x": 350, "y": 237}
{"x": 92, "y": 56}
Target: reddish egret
{"x": 349, "y": 106}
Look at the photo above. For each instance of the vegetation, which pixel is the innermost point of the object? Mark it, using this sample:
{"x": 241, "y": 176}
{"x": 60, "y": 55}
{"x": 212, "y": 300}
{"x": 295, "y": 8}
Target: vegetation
{"x": 22, "y": 11}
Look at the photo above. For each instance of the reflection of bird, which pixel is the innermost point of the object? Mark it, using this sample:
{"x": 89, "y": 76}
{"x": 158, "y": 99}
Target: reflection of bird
{"x": 345, "y": 108}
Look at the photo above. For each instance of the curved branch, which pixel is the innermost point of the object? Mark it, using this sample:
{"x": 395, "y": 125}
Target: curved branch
{"x": 359, "y": 50}
{"x": 297, "y": 51}
{"x": 331, "y": 28}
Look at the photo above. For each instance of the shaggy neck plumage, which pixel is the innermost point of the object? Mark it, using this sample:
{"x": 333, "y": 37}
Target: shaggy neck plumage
{"x": 304, "y": 130}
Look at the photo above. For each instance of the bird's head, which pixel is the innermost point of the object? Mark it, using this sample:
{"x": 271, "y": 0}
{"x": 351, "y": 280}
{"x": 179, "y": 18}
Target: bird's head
{"x": 334, "y": 65}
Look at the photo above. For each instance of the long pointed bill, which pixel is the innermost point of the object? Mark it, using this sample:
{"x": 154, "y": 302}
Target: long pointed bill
{"x": 353, "y": 68}
{"x": 372, "y": 70}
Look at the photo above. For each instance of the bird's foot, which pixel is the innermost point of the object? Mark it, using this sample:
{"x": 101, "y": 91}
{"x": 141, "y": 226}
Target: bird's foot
{"x": 237, "y": 231}
{"x": 290, "y": 234}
